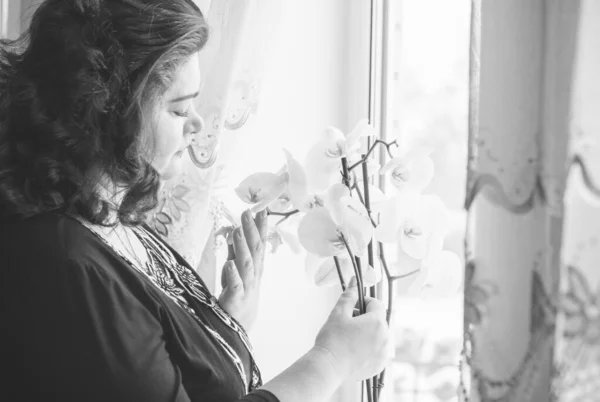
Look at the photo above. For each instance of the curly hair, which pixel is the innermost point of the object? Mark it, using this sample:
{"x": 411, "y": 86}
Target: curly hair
{"x": 73, "y": 90}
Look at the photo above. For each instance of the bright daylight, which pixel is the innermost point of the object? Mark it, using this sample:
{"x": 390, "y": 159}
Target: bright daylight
{"x": 292, "y": 201}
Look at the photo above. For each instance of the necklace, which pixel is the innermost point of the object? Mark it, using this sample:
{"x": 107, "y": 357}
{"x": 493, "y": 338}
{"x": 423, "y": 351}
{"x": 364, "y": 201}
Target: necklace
{"x": 129, "y": 246}
{"x": 173, "y": 278}
{"x": 177, "y": 281}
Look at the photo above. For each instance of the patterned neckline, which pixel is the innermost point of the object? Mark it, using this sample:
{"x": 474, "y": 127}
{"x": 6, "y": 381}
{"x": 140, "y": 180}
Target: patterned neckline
{"x": 165, "y": 272}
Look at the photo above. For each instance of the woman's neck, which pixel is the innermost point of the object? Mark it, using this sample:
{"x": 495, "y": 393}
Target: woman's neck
{"x": 114, "y": 194}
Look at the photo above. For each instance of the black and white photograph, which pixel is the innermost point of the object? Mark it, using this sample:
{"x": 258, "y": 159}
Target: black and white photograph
{"x": 300, "y": 200}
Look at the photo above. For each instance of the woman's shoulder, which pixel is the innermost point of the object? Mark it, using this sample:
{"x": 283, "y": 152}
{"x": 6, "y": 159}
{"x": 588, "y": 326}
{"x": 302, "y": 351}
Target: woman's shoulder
{"x": 52, "y": 254}
{"x": 47, "y": 238}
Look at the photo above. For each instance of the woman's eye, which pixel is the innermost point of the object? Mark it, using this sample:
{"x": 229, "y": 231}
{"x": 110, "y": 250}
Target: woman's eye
{"x": 184, "y": 113}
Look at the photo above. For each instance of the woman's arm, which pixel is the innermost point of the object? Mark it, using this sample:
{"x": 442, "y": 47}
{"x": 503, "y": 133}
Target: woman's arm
{"x": 314, "y": 377}
{"x": 346, "y": 347}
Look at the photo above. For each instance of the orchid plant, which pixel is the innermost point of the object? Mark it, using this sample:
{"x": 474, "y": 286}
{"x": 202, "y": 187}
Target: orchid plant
{"x": 328, "y": 207}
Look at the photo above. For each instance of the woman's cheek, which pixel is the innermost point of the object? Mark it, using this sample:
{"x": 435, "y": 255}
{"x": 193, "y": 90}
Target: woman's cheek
{"x": 169, "y": 137}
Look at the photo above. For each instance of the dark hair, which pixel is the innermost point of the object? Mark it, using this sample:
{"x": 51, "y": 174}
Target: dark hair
{"x": 72, "y": 92}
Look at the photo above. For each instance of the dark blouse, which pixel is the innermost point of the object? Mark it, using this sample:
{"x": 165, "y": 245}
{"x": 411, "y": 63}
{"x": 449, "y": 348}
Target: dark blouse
{"x": 80, "y": 323}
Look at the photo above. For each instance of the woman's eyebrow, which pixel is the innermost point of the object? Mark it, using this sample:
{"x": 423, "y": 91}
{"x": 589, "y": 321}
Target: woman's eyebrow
{"x": 185, "y": 97}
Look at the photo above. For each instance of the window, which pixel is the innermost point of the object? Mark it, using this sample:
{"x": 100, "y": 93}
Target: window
{"x": 429, "y": 59}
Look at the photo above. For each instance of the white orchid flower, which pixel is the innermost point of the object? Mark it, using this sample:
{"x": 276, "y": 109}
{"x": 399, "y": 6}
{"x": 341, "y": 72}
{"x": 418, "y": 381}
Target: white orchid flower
{"x": 339, "y": 145}
{"x": 323, "y": 230}
{"x": 437, "y": 275}
{"x": 283, "y": 203}
{"x": 351, "y": 215}
{"x": 376, "y": 196}
{"x": 262, "y": 188}
{"x": 320, "y": 235}
{"x": 274, "y": 239}
{"x": 412, "y": 170}
{"x": 393, "y": 213}
{"x": 286, "y": 233}
{"x": 323, "y": 159}
{"x": 418, "y": 222}
{"x": 302, "y": 197}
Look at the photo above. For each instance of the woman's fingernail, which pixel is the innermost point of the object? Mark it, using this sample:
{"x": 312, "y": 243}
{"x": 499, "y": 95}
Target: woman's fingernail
{"x": 239, "y": 233}
{"x": 247, "y": 215}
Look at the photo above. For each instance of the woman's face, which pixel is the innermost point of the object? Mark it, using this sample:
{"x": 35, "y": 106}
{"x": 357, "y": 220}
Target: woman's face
{"x": 175, "y": 120}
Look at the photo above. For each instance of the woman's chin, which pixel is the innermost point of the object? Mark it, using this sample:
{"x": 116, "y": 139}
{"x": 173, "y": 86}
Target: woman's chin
{"x": 174, "y": 168}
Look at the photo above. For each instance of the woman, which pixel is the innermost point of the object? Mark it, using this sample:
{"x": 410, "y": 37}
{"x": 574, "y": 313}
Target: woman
{"x": 96, "y": 109}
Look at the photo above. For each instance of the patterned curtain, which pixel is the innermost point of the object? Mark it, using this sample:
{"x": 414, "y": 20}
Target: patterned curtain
{"x": 232, "y": 65}
{"x": 577, "y": 374}
{"x": 526, "y": 70}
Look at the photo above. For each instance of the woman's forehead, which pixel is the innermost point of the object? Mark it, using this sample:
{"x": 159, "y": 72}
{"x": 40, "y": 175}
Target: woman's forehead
{"x": 186, "y": 79}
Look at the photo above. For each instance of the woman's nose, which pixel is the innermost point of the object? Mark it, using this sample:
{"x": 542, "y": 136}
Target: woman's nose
{"x": 197, "y": 126}
{"x": 198, "y": 123}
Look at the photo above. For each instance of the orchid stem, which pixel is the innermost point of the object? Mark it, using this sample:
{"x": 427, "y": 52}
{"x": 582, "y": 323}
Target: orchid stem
{"x": 369, "y": 389}
{"x": 345, "y": 173}
{"x": 367, "y": 203}
{"x": 373, "y": 290}
{"x": 285, "y": 215}
{"x": 361, "y": 298}
{"x": 356, "y": 264}
{"x": 388, "y": 316}
{"x": 393, "y": 278}
{"x": 362, "y": 200}
{"x": 339, "y": 271}
{"x": 390, "y": 281}
{"x": 372, "y": 148}
{"x": 358, "y": 273}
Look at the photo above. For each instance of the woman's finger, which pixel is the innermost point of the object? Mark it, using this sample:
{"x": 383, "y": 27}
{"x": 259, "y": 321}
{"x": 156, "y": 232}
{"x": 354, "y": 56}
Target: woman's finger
{"x": 252, "y": 235}
{"x": 233, "y": 287}
{"x": 243, "y": 257}
{"x": 261, "y": 224}
{"x": 230, "y": 279}
{"x": 374, "y": 308}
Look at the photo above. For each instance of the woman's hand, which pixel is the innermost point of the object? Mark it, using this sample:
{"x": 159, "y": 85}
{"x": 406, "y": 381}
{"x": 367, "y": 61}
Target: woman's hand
{"x": 242, "y": 276}
{"x": 358, "y": 347}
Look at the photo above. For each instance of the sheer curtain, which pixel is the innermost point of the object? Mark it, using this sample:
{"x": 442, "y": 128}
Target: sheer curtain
{"x": 301, "y": 66}
{"x": 577, "y": 353}
{"x": 232, "y": 68}
{"x": 532, "y": 260}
